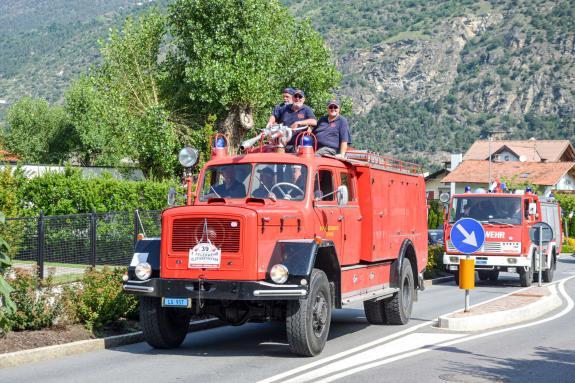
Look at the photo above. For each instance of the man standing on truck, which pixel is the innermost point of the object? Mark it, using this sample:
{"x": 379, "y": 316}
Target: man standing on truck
{"x": 295, "y": 115}
{"x": 332, "y": 132}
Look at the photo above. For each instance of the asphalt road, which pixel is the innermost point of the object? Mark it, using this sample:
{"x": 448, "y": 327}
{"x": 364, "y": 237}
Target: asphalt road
{"x": 540, "y": 351}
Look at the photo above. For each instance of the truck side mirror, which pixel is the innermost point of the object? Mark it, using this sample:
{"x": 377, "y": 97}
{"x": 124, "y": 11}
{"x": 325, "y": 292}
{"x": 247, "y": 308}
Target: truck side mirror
{"x": 342, "y": 195}
{"x": 172, "y": 196}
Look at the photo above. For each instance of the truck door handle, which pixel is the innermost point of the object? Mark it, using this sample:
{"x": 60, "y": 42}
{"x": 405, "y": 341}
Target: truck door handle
{"x": 359, "y": 218}
{"x": 340, "y": 218}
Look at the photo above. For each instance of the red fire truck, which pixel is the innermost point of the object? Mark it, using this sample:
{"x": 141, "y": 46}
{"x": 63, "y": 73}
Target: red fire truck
{"x": 276, "y": 236}
{"x": 506, "y": 219}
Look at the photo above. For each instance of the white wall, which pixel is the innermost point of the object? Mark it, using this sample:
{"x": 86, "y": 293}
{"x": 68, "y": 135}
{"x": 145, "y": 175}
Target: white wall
{"x": 31, "y": 171}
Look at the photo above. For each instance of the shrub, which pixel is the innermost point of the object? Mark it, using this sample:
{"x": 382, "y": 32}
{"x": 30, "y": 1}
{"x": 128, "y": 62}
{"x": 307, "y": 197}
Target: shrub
{"x": 434, "y": 261}
{"x": 99, "y": 299}
{"x": 7, "y": 306}
{"x": 37, "y": 304}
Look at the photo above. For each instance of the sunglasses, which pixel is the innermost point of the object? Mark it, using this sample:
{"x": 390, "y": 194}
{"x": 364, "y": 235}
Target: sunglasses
{"x": 333, "y": 107}
{"x": 297, "y": 96}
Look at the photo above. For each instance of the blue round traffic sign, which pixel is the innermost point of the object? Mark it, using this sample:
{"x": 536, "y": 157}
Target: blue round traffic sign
{"x": 467, "y": 235}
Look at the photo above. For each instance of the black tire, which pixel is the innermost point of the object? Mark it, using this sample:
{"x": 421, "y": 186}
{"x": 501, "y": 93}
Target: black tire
{"x": 548, "y": 274}
{"x": 494, "y": 275}
{"x": 483, "y": 275}
{"x": 375, "y": 311}
{"x": 398, "y": 308}
{"x": 526, "y": 276}
{"x": 308, "y": 320}
{"x": 163, "y": 327}
{"x": 456, "y": 277}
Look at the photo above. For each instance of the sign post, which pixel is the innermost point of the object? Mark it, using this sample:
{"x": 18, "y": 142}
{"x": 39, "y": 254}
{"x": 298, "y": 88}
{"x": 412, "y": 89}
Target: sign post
{"x": 467, "y": 236}
{"x": 541, "y": 233}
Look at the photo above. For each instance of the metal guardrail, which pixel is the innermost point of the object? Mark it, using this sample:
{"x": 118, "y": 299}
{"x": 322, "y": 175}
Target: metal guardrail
{"x": 65, "y": 245}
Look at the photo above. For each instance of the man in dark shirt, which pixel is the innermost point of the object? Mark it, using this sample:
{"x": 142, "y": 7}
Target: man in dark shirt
{"x": 266, "y": 179}
{"x": 230, "y": 188}
{"x": 287, "y": 94}
{"x": 332, "y": 132}
{"x": 295, "y": 115}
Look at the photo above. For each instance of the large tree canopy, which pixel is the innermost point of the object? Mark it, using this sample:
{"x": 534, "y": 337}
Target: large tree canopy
{"x": 234, "y": 56}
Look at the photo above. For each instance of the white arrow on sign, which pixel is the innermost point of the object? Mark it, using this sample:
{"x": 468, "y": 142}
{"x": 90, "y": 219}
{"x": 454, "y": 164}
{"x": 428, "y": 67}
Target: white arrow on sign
{"x": 469, "y": 237}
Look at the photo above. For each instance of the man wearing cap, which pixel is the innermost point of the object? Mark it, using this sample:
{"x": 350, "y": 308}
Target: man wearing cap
{"x": 287, "y": 94}
{"x": 230, "y": 187}
{"x": 332, "y": 132}
{"x": 266, "y": 179}
{"x": 296, "y": 115}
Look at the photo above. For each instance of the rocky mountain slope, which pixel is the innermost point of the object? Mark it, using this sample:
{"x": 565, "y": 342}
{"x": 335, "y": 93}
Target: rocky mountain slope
{"x": 427, "y": 78}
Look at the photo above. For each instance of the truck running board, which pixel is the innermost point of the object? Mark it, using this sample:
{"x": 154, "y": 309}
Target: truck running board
{"x": 375, "y": 295}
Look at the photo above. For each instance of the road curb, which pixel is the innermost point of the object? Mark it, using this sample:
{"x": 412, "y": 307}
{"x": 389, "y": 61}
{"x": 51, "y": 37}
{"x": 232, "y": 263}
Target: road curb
{"x": 19, "y": 358}
{"x": 437, "y": 281}
{"x": 504, "y": 317}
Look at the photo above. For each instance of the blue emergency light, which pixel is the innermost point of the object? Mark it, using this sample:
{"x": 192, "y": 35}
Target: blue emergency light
{"x": 307, "y": 141}
{"x": 220, "y": 142}
{"x": 528, "y": 189}
{"x": 468, "y": 189}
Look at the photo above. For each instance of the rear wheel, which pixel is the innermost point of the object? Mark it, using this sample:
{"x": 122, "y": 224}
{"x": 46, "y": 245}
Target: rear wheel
{"x": 163, "y": 327}
{"x": 548, "y": 274}
{"x": 375, "y": 312}
{"x": 526, "y": 276}
{"x": 398, "y": 308}
{"x": 308, "y": 319}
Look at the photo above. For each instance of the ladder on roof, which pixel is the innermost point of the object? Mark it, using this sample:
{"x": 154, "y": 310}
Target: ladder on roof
{"x": 384, "y": 161}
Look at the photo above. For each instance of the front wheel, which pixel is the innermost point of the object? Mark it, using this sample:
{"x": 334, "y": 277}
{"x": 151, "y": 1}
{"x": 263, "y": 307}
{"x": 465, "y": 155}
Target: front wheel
{"x": 163, "y": 327}
{"x": 308, "y": 319}
{"x": 526, "y": 276}
{"x": 398, "y": 308}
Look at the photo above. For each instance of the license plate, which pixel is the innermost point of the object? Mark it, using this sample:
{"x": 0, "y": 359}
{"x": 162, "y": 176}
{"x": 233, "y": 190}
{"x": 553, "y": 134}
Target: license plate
{"x": 177, "y": 302}
{"x": 204, "y": 256}
{"x": 481, "y": 262}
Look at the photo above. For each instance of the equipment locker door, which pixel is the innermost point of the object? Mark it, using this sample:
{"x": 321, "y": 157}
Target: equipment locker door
{"x": 327, "y": 212}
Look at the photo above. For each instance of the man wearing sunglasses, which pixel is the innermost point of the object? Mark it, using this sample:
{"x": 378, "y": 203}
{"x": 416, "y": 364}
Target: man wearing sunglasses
{"x": 332, "y": 132}
{"x": 295, "y": 115}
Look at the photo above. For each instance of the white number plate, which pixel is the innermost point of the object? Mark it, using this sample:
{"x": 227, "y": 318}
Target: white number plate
{"x": 204, "y": 256}
{"x": 511, "y": 247}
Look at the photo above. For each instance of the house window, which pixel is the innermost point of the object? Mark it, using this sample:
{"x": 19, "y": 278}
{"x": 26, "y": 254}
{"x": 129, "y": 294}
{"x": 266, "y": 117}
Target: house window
{"x": 506, "y": 158}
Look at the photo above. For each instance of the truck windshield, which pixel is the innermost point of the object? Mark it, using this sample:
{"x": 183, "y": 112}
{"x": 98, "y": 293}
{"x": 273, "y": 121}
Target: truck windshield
{"x": 264, "y": 180}
{"x": 503, "y": 210}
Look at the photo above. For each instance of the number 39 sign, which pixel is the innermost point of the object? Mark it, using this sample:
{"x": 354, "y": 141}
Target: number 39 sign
{"x": 204, "y": 256}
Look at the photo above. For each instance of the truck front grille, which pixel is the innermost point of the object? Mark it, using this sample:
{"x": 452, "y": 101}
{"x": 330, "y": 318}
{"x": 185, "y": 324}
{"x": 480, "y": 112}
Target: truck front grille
{"x": 224, "y": 233}
{"x": 490, "y": 247}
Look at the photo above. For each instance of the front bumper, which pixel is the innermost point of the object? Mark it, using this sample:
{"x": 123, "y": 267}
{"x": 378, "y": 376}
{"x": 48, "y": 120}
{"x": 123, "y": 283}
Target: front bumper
{"x": 216, "y": 290}
{"x": 486, "y": 261}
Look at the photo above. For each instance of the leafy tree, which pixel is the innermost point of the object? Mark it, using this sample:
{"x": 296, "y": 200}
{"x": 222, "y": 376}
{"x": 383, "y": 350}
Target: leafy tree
{"x": 234, "y": 56}
{"x": 7, "y": 306}
{"x": 38, "y": 132}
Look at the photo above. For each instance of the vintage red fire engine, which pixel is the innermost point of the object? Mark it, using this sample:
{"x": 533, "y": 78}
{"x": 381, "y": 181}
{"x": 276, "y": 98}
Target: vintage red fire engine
{"x": 275, "y": 236}
{"x": 507, "y": 220}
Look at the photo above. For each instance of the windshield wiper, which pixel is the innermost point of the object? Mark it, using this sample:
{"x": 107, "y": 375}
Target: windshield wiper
{"x": 270, "y": 194}
{"x": 214, "y": 190}
{"x": 492, "y": 221}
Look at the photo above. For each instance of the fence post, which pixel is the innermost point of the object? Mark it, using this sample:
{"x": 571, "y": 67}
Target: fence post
{"x": 40, "y": 245}
{"x": 93, "y": 226}
{"x": 136, "y": 228}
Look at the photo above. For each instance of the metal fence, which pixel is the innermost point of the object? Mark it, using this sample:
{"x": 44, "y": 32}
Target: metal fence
{"x": 64, "y": 246}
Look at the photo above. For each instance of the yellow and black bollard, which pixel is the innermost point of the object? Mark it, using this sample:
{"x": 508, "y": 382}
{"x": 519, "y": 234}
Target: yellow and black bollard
{"x": 467, "y": 277}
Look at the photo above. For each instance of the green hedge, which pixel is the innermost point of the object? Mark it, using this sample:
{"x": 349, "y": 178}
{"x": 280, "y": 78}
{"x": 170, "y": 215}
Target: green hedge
{"x": 70, "y": 193}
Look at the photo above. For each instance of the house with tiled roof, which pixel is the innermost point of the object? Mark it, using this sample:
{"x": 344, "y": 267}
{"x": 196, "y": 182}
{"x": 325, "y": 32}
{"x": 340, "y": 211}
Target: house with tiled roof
{"x": 6, "y": 156}
{"x": 550, "y": 164}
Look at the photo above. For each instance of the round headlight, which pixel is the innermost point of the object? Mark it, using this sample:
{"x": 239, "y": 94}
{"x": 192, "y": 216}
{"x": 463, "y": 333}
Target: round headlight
{"x": 279, "y": 273}
{"x": 143, "y": 271}
{"x": 188, "y": 157}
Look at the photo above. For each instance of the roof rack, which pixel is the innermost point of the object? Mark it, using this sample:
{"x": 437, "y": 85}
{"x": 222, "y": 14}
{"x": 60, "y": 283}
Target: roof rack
{"x": 384, "y": 161}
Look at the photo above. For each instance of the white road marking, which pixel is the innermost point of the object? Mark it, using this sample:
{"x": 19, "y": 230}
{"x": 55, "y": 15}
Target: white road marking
{"x": 399, "y": 346}
{"x": 320, "y": 362}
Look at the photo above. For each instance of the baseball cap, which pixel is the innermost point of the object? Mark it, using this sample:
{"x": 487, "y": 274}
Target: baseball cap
{"x": 288, "y": 90}
{"x": 267, "y": 169}
{"x": 333, "y": 102}
{"x": 299, "y": 91}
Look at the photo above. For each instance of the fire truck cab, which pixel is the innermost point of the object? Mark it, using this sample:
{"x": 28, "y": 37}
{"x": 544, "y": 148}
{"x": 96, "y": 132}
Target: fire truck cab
{"x": 276, "y": 236}
{"x": 506, "y": 219}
